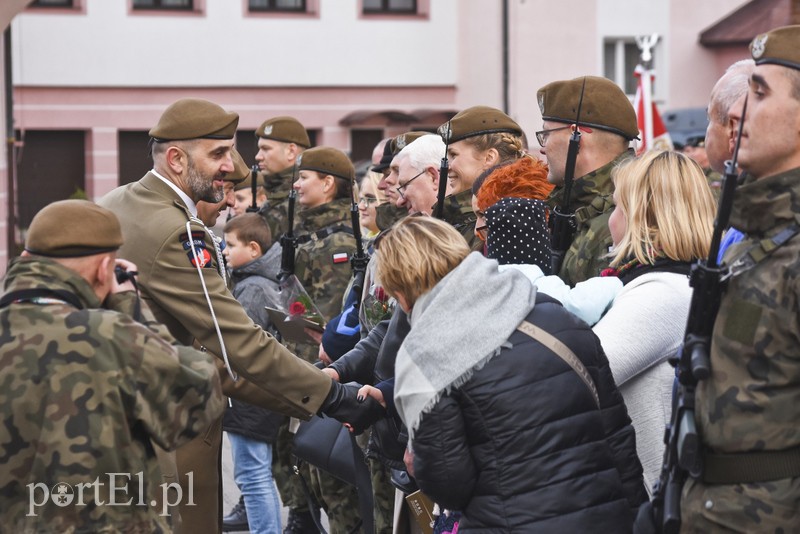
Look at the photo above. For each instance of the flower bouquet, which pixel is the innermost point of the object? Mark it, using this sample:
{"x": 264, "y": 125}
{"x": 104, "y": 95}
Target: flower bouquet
{"x": 295, "y": 311}
{"x": 377, "y": 305}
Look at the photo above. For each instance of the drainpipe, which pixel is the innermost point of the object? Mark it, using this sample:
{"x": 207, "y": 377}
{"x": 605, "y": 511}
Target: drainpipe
{"x": 11, "y": 223}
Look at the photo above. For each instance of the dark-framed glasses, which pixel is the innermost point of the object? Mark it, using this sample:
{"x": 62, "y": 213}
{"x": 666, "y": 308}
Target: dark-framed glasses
{"x": 402, "y": 188}
{"x": 542, "y": 135}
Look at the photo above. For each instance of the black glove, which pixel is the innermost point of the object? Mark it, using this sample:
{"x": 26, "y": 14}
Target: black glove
{"x": 341, "y": 404}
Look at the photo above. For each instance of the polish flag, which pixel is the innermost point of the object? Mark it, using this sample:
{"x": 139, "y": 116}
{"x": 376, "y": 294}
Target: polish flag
{"x": 652, "y": 132}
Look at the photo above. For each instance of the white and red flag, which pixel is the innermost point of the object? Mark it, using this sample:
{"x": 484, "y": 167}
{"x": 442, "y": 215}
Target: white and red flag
{"x": 652, "y": 132}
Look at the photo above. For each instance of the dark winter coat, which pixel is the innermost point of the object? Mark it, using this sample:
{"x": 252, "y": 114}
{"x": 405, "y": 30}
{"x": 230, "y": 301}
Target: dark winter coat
{"x": 522, "y": 447}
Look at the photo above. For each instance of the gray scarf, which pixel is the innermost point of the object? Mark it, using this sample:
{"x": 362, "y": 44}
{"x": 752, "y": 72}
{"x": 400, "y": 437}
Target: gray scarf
{"x": 456, "y": 328}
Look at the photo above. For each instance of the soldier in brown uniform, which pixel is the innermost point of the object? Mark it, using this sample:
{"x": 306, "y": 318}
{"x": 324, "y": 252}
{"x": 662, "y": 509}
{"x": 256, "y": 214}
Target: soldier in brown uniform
{"x": 180, "y": 279}
{"x": 747, "y": 411}
{"x": 608, "y": 124}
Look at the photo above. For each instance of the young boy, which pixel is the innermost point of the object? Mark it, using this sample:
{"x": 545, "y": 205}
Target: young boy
{"x": 252, "y": 430}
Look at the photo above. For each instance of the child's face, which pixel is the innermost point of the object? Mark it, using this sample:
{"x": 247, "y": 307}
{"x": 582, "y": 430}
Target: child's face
{"x": 238, "y": 253}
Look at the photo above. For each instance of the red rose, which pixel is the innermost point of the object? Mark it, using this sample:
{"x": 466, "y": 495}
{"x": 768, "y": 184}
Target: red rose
{"x": 296, "y": 308}
{"x": 380, "y": 294}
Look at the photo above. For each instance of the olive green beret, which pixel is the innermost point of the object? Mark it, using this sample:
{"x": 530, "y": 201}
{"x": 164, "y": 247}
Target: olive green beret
{"x": 193, "y": 118}
{"x": 395, "y": 145}
{"x": 285, "y": 129}
{"x": 477, "y": 120}
{"x": 240, "y": 169}
{"x": 327, "y": 160}
{"x": 73, "y": 228}
{"x": 780, "y": 46}
{"x": 604, "y": 105}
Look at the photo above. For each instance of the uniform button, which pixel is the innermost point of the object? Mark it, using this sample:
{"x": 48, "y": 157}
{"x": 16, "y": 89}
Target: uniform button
{"x": 709, "y": 504}
{"x": 306, "y": 399}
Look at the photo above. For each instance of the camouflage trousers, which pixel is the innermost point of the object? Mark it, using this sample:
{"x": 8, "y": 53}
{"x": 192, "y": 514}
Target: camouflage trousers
{"x": 338, "y": 499}
{"x": 288, "y": 483}
{"x": 382, "y": 496}
{"x": 765, "y": 507}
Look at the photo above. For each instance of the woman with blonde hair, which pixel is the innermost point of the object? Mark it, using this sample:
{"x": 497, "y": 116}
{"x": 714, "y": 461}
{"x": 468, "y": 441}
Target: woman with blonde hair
{"x": 662, "y": 222}
{"x": 369, "y": 198}
{"x": 500, "y": 426}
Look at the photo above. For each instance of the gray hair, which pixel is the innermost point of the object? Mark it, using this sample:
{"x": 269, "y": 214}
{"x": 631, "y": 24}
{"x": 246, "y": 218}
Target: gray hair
{"x": 730, "y": 87}
{"x": 423, "y": 152}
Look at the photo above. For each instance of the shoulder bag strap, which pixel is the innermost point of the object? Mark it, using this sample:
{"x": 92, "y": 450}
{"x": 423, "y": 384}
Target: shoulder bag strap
{"x": 563, "y": 352}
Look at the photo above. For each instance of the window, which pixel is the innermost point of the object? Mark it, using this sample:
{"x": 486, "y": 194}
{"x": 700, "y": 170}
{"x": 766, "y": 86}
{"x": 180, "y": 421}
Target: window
{"x": 52, "y": 3}
{"x": 391, "y": 7}
{"x": 292, "y": 6}
{"x": 620, "y": 57}
{"x": 182, "y": 5}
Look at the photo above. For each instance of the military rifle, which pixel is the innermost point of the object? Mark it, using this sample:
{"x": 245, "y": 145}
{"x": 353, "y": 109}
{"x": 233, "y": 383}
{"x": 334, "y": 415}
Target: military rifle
{"x": 253, "y": 207}
{"x": 444, "y": 170}
{"x": 683, "y": 452}
{"x": 359, "y": 260}
{"x": 562, "y": 220}
{"x": 289, "y": 240}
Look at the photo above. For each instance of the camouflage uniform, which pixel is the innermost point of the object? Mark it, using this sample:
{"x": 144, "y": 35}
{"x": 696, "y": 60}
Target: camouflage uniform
{"x": 714, "y": 181}
{"x": 592, "y": 202}
{"x": 387, "y": 214}
{"x": 84, "y": 391}
{"x": 276, "y": 209}
{"x": 750, "y": 402}
{"x": 458, "y": 212}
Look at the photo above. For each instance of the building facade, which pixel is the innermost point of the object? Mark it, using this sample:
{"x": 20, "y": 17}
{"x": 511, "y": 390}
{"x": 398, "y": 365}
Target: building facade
{"x": 90, "y": 77}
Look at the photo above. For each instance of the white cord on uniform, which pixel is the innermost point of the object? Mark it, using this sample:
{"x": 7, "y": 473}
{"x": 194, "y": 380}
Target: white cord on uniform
{"x": 233, "y": 375}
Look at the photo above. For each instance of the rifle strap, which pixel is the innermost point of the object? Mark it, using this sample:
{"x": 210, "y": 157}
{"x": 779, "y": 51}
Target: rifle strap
{"x": 322, "y": 234}
{"x": 750, "y": 467}
{"x": 598, "y": 206}
{"x": 563, "y": 352}
{"x": 759, "y": 251}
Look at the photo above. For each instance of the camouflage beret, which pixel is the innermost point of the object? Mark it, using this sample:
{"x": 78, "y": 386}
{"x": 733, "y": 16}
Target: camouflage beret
{"x": 193, "y": 118}
{"x": 327, "y": 160}
{"x": 73, "y": 228}
{"x": 477, "y": 120}
{"x": 284, "y": 129}
{"x": 780, "y": 46}
{"x": 240, "y": 172}
{"x": 604, "y": 105}
{"x": 395, "y": 145}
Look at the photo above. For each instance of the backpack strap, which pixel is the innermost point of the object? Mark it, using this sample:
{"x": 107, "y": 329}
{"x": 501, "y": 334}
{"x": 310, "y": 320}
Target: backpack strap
{"x": 562, "y": 351}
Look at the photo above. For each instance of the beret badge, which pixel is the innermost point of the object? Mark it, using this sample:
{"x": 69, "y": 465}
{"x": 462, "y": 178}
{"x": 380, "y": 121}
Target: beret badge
{"x": 759, "y": 45}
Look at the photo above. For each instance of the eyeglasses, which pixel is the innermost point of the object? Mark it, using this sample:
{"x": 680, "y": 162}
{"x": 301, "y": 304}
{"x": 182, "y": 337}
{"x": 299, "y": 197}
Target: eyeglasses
{"x": 542, "y": 135}
{"x": 367, "y": 201}
{"x": 401, "y": 188}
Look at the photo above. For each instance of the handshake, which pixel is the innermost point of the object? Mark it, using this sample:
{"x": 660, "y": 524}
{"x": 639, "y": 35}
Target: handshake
{"x": 357, "y": 412}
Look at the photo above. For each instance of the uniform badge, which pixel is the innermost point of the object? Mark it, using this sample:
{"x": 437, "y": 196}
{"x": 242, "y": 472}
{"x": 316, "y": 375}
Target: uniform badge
{"x": 197, "y": 243}
{"x": 400, "y": 141}
{"x": 340, "y": 257}
{"x": 759, "y": 45}
{"x": 298, "y": 159}
{"x": 268, "y": 129}
{"x": 445, "y": 131}
{"x": 541, "y": 103}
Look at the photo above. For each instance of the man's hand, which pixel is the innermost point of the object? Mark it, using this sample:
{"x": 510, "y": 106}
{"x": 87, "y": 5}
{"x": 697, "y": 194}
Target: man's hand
{"x": 127, "y": 285}
{"x": 343, "y": 405}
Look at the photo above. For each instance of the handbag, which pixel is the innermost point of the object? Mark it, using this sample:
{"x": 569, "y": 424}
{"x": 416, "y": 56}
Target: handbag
{"x": 325, "y": 443}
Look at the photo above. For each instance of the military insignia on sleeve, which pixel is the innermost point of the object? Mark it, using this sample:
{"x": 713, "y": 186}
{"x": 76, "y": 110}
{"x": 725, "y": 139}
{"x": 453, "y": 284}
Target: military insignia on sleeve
{"x": 759, "y": 45}
{"x": 268, "y": 129}
{"x": 340, "y": 257}
{"x": 199, "y": 244}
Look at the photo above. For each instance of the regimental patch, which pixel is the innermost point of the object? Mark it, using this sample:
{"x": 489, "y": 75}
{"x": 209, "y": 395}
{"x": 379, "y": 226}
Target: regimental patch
{"x": 340, "y": 257}
{"x": 199, "y": 243}
{"x": 759, "y": 45}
